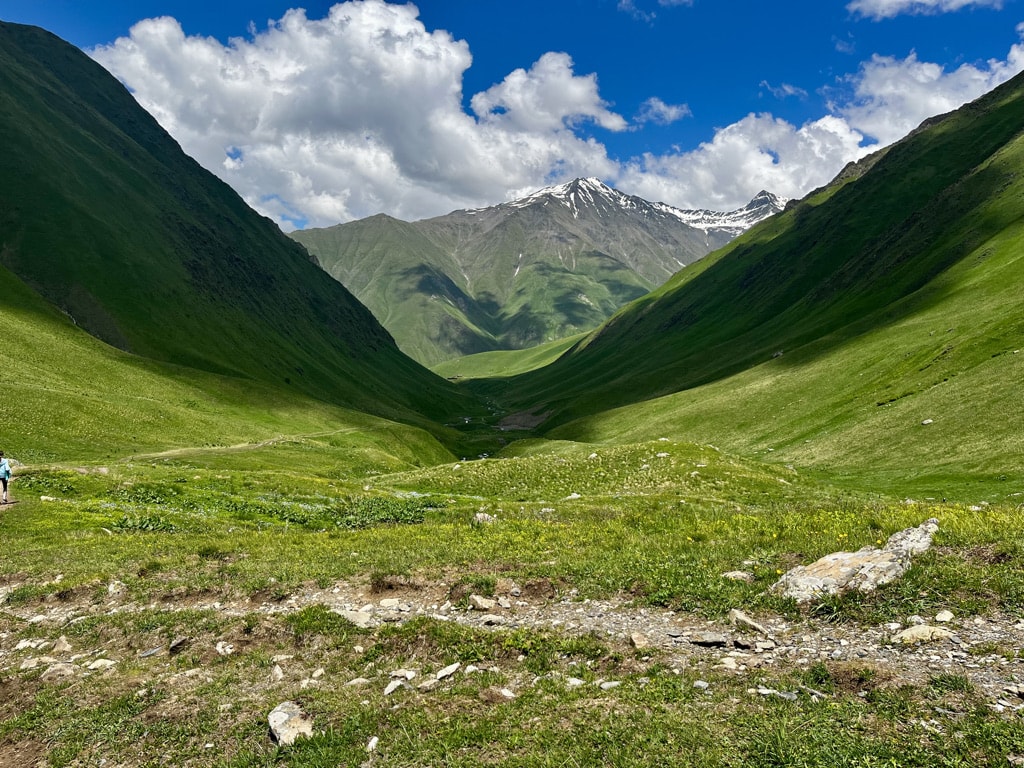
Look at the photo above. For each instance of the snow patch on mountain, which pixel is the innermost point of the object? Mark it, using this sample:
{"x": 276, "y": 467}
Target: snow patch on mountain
{"x": 593, "y": 195}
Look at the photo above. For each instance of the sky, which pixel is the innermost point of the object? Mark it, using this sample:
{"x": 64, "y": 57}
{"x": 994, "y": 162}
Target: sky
{"x": 325, "y": 112}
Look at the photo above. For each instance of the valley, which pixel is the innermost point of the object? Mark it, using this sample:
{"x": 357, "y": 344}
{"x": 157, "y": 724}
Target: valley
{"x": 233, "y": 489}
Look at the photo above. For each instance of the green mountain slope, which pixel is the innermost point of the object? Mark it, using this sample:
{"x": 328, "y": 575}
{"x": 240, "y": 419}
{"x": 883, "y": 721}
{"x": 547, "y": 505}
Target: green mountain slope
{"x": 104, "y": 216}
{"x": 895, "y": 292}
{"x": 516, "y": 275}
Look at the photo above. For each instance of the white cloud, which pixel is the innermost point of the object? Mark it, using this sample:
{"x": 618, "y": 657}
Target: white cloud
{"x": 888, "y": 98}
{"x": 758, "y": 152}
{"x": 784, "y": 90}
{"x": 887, "y": 9}
{"x": 654, "y": 110}
{"x": 893, "y": 96}
{"x": 316, "y": 121}
{"x": 325, "y": 120}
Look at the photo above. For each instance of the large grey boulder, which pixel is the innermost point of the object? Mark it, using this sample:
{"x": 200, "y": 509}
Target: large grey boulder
{"x": 863, "y": 570}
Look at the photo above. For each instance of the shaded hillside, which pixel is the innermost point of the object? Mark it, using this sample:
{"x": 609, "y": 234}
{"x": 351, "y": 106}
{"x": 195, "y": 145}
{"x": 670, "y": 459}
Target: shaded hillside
{"x": 522, "y": 273}
{"x": 887, "y": 286}
{"x": 103, "y": 215}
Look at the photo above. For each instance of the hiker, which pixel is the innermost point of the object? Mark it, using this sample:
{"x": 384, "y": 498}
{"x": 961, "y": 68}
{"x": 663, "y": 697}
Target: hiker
{"x": 5, "y": 473}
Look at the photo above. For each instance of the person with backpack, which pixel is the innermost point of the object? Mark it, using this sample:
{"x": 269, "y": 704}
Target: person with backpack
{"x": 5, "y": 474}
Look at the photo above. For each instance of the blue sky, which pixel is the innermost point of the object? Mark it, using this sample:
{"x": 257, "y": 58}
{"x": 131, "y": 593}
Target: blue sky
{"x": 361, "y": 107}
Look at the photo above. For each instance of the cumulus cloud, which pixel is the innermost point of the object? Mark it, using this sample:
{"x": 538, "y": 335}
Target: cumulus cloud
{"x": 317, "y": 121}
{"x": 320, "y": 121}
{"x": 654, "y": 110}
{"x": 882, "y": 102}
{"x": 887, "y": 9}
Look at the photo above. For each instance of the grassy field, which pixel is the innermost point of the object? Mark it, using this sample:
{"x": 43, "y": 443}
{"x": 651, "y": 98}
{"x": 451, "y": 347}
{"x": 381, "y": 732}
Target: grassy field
{"x": 656, "y": 522}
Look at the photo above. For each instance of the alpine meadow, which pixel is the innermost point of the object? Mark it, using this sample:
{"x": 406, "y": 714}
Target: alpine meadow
{"x": 247, "y": 529}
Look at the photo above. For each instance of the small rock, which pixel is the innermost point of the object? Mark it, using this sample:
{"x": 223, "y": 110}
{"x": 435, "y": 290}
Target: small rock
{"x": 225, "y": 649}
{"x": 390, "y": 602}
{"x": 710, "y": 640}
{"x": 639, "y": 641}
{"x": 610, "y": 684}
{"x": 944, "y": 617}
{"x": 448, "y": 671}
{"x": 178, "y": 645}
{"x": 102, "y": 664}
{"x": 574, "y": 682}
{"x": 481, "y": 603}
{"x": 405, "y": 674}
{"x": 116, "y": 588}
{"x": 738, "y": 576}
{"x": 739, "y": 618}
{"x": 702, "y": 685}
{"x": 926, "y": 422}
{"x": 492, "y": 619}
{"x": 393, "y": 686}
{"x": 277, "y": 673}
{"x": 59, "y": 671}
{"x": 62, "y": 645}
{"x": 281, "y": 657}
{"x": 371, "y": 745}
{"x": 288, "y": 722}
{"x": 428, "y": 685}
{"x": 921, "y": 633}
{"x": 358, "y": 681}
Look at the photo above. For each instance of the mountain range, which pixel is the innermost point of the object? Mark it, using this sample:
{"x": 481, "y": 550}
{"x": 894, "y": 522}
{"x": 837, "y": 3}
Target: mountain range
{"x": 522, "y": 273}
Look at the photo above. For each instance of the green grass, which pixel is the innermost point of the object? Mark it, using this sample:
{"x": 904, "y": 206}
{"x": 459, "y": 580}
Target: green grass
{"x": 504, "y": 362}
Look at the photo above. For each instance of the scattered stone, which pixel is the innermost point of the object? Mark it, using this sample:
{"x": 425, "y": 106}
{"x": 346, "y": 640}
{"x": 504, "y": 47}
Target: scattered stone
{"x": 371, "y": 745}
{"x": 639, "y": 641}
{"x": 394, "y": 685}
{"x": 702, "y": 685}
{"x": 358, "y": 681}
{"x": 746, "y": 576}
{"x": 496, "y": 695}
{"x": 116, "y": 588}
{"x": 224, "y": 649}
{"x": 610, "y": 684}
{"x": 59, "y": 671}
{"x": 504, "y": 602}
{"x": 178, "y": 645}
{"x": 277, "y": 674}
{"x": 481, "y": 603}
{"x": 574, "y": 682}
{"x": 150, "y": 652}
{"x": 448, "y": 671}
{"x": 37, "y": 661}
{"x": 318, "y": 673}
{"x": 62, "y": 645}
{"x": 926, "y": 422}
{"x": 281, "y": 657}
{"x": 405, "y": 674}
{"x": 390, "y": 602}
{"x": 492, "y": 619}
{"x": 921, "y": 633}
{"x": 288, "y": 722}
{"x": 739, "y": 618}
{"x": 428, "y": 685}
{"x": 944, "y": 617}
{"x": 101, "y": 664}
{"x": 863, "y": 570}
{"x": 787, "y": 695}
{"x": 710, "y": 640}
{"x": 728, "y": 662}
{"x": 362, "y": 619}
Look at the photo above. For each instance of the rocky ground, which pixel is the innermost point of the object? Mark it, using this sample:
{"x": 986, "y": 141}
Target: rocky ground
{"x": 987, "y": 651}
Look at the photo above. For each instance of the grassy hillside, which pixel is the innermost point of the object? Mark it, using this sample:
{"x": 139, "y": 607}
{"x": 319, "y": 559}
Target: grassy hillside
{"x": 104, "y": 216}
{"x": 504, "y": 362}
{"x": 69, "y": 397}
{"x": 831, "y": 332}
